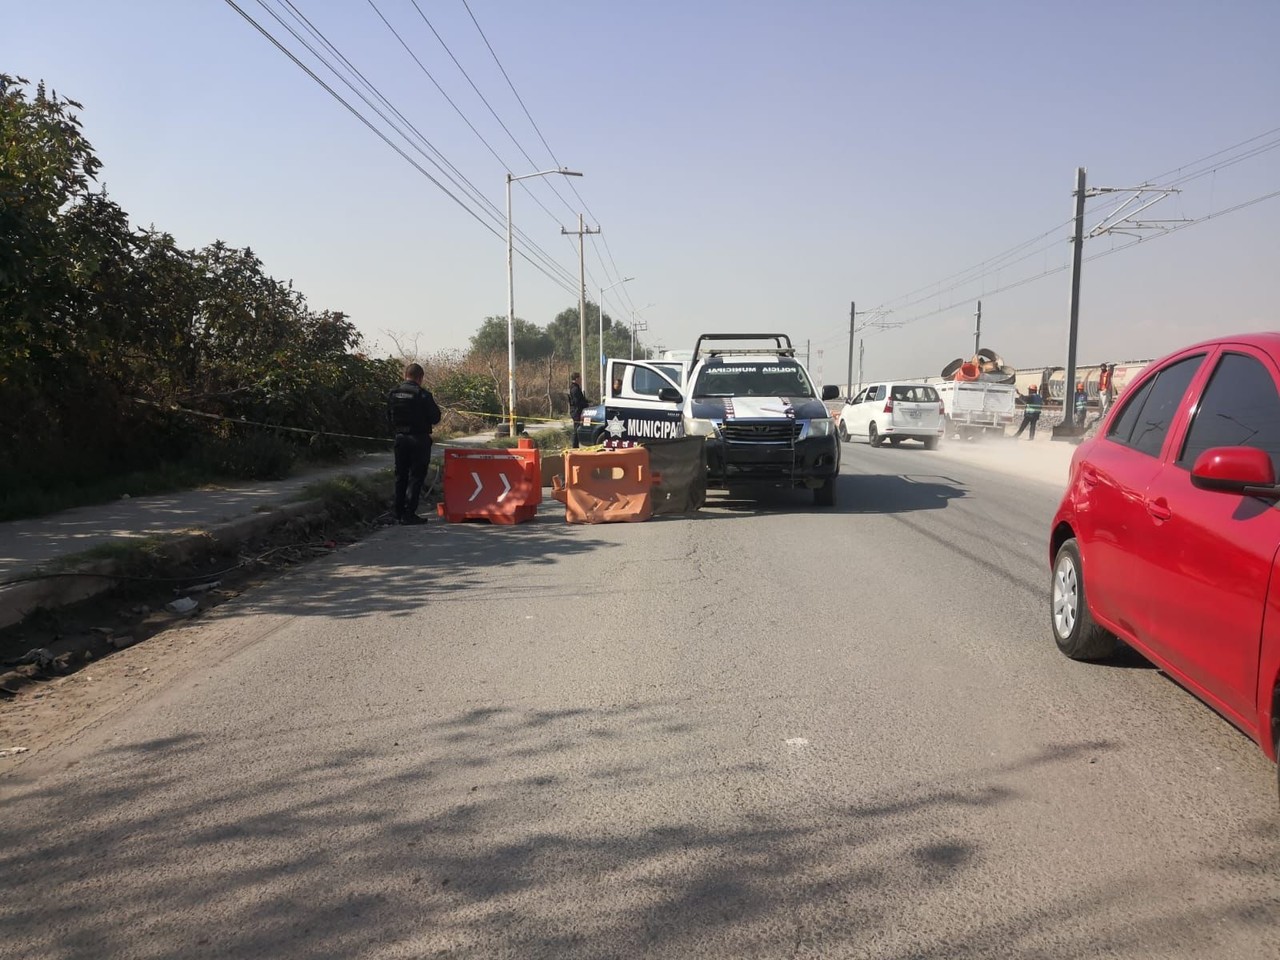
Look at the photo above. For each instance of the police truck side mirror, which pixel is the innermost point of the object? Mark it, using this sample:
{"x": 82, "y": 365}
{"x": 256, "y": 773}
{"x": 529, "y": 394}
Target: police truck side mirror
{"x": 830, "y": 392}
{"x": 670, "y": 395}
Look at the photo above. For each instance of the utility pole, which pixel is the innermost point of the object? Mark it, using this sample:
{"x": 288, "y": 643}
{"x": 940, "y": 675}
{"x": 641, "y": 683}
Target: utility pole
{"x": 582, "y": 296}
{"x": 977, "y": 333}
{"x": 862, "y": 348}
{"x": 1077, "y": 250}
{"x": 636, "y": 325}
{"x": 1121, "y": 220}
{"x": 806, "y": 354}
{"x": 849, "y": 375}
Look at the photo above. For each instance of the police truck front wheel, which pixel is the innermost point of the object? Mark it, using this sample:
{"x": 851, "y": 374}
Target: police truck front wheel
{"x": 825, "y": 495}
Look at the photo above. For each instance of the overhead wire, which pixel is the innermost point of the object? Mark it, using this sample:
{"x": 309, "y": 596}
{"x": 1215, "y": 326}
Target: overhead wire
{"x": 356, "y": 113}
{"x": 371, "y": 125}
{"x": 461, "y": 113}
{"x": 1096, "y": 256}
{"x": 489, "y": 106}
{"x": 458, "y": 110}
{"x": 1002, "y": 262}
{"x": 494, "y": 113}
{"x": 520, "y": 100}
{"x": 452, "y": 173}
{"x": 550, "y": 184}
{"x": 617, "y": 274}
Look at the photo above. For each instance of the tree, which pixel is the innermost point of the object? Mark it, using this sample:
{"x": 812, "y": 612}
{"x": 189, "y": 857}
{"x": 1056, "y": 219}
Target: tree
{"x": 113, "y": 340}
{"x": 46, "y": 165}
{"x": 531, "y": 341}
{"x": 563, "y": 332}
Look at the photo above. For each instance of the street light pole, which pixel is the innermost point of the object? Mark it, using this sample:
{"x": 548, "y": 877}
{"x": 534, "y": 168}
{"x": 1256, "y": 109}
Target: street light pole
{"x": 511, "y": 300}
{"x": 600, "y": 318}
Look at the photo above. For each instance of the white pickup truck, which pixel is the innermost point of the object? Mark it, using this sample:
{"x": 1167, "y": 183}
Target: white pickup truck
{"x": 976, "y": 407}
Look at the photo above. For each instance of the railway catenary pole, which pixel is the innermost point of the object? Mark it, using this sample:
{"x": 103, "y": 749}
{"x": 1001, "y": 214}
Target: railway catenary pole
{"x": 849, "y": 376}
{"x": 1077, "y": 249}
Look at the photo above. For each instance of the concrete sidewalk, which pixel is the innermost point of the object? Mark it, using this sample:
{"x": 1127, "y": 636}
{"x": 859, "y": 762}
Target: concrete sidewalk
{"x": 233, "y": 510}
{"x": 27, "y": 544}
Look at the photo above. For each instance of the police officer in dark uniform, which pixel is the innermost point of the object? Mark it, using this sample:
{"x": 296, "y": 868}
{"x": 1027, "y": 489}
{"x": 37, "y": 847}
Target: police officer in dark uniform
{"x": 577, "y": 403}
{"x": 411, "y": 413}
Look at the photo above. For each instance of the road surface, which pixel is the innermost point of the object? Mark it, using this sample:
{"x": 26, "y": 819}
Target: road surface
{"x": 768, "y": 731}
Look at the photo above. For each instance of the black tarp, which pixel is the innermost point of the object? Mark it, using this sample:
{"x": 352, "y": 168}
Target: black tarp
{"x": 682, "y": 468}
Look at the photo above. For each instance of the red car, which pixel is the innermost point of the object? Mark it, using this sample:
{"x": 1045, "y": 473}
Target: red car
{"x": 1168, "y": 535}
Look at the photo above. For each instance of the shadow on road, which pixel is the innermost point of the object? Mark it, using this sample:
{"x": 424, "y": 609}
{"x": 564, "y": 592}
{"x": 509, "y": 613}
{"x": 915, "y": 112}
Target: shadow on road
{"x": 855, "y": 493}
{"x": 587, "y": 832}
{"x": 403, "y": 570}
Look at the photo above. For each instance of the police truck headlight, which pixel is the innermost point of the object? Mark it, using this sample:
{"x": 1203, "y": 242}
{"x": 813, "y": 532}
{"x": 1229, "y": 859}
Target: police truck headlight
{"x": 821, "y": 428}
{"x": 699, "y": 428}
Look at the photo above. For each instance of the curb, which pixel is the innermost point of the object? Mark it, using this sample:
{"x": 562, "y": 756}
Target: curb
{"x": 18, "y": 600}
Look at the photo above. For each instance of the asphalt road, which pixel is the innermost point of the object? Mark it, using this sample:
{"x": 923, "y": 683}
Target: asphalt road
{"x": 765, "y": 732}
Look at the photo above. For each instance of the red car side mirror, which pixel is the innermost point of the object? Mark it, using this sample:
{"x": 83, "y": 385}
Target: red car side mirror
{"x": 1241, "y": 470}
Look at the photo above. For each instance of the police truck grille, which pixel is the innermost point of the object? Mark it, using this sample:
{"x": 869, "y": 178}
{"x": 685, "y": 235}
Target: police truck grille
{"x": 784, "y": 431}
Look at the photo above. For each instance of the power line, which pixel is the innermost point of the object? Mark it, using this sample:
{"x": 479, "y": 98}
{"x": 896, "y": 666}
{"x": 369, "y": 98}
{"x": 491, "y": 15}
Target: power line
{"x": 1184, "y": 179}
{"x": 485, "y": 101}
{"x": 377, "y": 132}
{"x": 617, "y": 274}
{"x": 1002, "y": 262}
{"x": 1184, "y": 225}
{"x": 359, "y": 116}
{"x": 520, "y": 100}
{"x": 476, "y": 195}
{"x": 459, "y": 111}
{"x": 1096, "y": 256}
{"x": 1217, "y": 153}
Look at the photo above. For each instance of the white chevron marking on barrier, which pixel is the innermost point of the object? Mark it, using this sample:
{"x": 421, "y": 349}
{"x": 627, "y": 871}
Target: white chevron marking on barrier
{"x": 506, "y": 487}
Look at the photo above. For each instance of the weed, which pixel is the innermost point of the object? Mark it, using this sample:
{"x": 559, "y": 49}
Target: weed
{"x": 133, "y": 556}
{"x": 351, "y": 497}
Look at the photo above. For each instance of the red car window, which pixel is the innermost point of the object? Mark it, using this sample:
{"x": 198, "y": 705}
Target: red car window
{"x": 1240, "y": 408}
{"x": 1145, "y": 420}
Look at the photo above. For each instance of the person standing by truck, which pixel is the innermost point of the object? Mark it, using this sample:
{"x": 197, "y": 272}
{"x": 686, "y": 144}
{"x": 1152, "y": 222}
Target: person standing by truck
{"x": 1032, "y": 406}
{"x": 577, "y": 403}
{"x": 1081, "y": 403}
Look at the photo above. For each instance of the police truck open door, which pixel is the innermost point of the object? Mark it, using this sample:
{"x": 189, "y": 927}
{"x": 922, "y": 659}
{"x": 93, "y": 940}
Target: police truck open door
{"x": 644, "y": 400}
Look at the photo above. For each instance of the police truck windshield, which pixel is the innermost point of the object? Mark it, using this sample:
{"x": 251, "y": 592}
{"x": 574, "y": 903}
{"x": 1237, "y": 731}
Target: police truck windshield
{"x": 740, "y": 378}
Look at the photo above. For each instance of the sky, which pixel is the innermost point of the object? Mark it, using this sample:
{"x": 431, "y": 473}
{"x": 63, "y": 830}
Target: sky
{"x": 754, "y": 165}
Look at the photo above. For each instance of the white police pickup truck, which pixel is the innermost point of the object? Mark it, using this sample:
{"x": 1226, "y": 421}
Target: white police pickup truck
{"x": 754, "y": 402}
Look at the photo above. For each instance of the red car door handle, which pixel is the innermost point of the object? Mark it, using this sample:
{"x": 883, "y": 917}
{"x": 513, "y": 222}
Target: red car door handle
{"x": 1159, "y": 509}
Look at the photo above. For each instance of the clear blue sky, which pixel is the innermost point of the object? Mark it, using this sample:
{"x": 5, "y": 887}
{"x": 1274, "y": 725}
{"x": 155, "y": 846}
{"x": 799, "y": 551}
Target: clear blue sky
{"x": 755, "y": 165}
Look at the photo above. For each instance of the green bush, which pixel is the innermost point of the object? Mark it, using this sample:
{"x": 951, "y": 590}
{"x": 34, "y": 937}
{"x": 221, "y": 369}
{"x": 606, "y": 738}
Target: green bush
{"x": 253, "y": 455}
{"x": 463, "y": 391}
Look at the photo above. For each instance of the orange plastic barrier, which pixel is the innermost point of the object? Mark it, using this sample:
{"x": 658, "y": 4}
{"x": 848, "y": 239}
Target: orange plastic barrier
{"x": 535, "y": 471}
{"x": 501, "y": 486}
{"x": 606, "y": 486}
